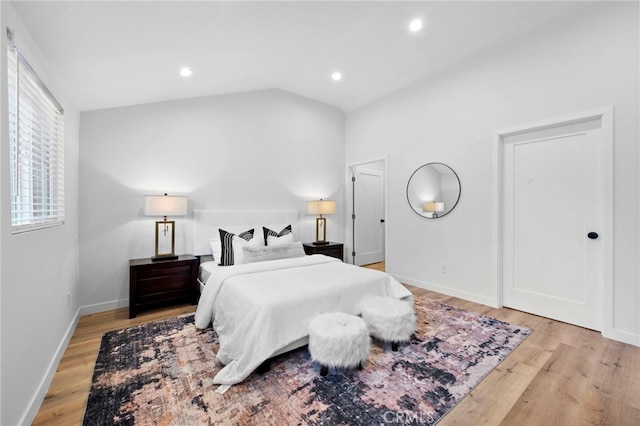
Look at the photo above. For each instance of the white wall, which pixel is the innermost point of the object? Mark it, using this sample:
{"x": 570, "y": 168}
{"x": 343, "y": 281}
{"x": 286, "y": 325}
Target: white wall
{"x": 259, "y": 150}
{"x": 581, "y": 62}
{"x": 38, "y": 268}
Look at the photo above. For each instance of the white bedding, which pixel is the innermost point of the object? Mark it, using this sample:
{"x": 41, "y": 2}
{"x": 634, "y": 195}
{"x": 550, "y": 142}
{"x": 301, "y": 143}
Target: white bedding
{"x": 259, "y": 308}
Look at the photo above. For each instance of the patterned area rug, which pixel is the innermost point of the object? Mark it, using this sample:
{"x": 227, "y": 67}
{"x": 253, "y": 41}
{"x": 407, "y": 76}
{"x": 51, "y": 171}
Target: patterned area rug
{"x": 161, "y": 374}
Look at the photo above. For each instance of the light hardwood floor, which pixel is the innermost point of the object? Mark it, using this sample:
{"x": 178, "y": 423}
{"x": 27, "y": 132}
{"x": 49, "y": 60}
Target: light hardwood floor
{"x": 560, "y": 374}
{"x": 380, "y": 266}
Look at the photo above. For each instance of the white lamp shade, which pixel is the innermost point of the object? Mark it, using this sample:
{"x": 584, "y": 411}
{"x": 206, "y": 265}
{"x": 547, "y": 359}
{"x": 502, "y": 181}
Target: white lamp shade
{"x": 434, "y": 206}
{"x": 321, "y": 207}
{"x": 165, "y": 205}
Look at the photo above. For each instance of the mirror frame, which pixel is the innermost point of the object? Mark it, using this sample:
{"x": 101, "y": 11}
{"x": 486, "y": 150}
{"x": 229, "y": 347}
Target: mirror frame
{"x": 447, "y": 211}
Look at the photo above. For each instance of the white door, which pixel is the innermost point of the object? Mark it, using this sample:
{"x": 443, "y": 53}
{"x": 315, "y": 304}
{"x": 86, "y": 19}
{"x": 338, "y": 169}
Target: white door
{"x": 553, "y": 209}
{"x": 369, "y": 211}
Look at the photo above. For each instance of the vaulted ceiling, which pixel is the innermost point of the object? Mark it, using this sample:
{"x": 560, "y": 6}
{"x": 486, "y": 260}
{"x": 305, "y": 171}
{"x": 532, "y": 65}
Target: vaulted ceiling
{"x": 119, "y": 53}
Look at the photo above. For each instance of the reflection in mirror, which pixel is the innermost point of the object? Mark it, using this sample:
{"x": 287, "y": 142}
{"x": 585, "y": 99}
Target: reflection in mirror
{"x": 433, "y": 190}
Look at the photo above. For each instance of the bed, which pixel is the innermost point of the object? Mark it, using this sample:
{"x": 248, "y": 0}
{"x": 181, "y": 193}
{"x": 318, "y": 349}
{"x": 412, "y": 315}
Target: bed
{"x": 260, "y": 309}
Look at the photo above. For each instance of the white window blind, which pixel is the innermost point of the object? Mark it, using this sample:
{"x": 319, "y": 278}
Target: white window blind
{"x": 36, "y": 141}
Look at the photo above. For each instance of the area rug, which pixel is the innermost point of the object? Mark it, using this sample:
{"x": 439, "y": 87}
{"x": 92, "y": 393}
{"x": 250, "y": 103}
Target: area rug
{"x": 162, "y": 374}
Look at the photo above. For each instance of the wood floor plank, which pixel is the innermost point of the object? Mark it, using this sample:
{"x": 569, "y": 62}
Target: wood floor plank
{"x": 563, "y": 392}
{"x": 617, "y": 376}
{"x": 511, "y": 378}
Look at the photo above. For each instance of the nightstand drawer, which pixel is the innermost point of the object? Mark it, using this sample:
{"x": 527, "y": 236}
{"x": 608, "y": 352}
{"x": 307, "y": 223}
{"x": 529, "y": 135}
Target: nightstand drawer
{"x": 171, "y": 271}
{"x": 333, "y": 252}
{"x": 163, "y": 296}
{"x": 164, "y": 283}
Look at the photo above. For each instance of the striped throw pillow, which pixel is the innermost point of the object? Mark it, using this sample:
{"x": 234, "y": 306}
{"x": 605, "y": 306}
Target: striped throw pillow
{"x": 268, "y": 232}
{"x": 226, "y": 241}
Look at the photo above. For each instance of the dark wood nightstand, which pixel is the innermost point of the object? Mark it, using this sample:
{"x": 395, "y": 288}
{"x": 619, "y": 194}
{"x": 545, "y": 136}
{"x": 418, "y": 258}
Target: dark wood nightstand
{"x": 163, "y": 282}
{"x": 329, "y": 249}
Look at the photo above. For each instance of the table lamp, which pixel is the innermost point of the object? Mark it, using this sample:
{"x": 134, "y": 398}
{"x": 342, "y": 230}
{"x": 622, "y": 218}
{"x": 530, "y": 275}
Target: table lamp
{"x": 321, "y": 207}
{"x": 165, "y": 205}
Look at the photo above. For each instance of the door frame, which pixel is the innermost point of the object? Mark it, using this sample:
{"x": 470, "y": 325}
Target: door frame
{"x": 348, "y": 211}
{"x": 605, "y": 115}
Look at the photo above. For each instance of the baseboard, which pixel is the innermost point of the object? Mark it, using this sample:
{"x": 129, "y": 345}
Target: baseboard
{"x": 106, "y": 306}
{"x": 472, "y": 297}
{"x": 34, "y": 405}
{"x": 625, "y": 337}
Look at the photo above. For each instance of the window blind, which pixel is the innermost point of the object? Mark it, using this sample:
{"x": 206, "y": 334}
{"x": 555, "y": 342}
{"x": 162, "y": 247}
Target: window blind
{"x": 36, "y": 153}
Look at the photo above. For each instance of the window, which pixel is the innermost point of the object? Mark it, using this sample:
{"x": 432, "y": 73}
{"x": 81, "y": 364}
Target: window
{"x": 36, "y": 148}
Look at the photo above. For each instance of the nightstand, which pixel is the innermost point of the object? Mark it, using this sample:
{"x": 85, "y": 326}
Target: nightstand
{"x": 329, "y": 249}
{"x": 163, "y": 282}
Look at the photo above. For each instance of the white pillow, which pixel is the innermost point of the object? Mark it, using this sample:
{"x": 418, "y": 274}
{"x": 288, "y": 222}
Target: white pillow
{"x": 239, "y": 244}
{"x": 216, "y": 248}
{"x": 282, "y": 251}
{"x": 278, "y": 241}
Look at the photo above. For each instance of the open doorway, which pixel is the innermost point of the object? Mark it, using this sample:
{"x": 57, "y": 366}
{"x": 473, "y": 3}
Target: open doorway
{"x": 368, "y": 213}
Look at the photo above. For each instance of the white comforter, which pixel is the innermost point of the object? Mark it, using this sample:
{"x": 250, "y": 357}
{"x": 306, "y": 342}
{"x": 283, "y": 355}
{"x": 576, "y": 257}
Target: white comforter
{"x": 259, "y": 308}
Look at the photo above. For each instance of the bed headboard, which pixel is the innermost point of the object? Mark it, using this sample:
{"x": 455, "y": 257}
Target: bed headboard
{"x": 207, "y": 222}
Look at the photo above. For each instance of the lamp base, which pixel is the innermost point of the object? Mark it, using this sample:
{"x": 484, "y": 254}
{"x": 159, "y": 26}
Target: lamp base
{"x": 164, "y": 257}
{"x": 320, "y": 243}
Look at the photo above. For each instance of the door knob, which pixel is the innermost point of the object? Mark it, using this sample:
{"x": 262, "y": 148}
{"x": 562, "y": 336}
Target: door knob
{"x": 592, "y": 235}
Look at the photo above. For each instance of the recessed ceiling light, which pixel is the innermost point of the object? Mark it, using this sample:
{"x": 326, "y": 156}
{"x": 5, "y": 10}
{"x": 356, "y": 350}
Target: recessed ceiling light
{"x": 336, "y": 76}
{"x": 185, "y": 72}
{"x": 415, "y": 25}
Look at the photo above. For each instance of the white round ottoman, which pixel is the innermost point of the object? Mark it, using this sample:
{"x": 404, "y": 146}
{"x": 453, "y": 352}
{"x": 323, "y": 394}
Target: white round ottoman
{"x": 338, "y": 340}
{"x": 389, "y": 319}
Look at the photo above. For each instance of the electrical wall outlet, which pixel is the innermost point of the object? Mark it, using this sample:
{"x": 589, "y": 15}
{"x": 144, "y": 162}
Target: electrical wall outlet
{"x": 444, "y": 268}
{"x": 68, "y": 298}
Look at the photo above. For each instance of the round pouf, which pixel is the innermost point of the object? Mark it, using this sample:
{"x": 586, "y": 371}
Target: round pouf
{"x": 389, "y": 319}
{"x": 338, "y": 340}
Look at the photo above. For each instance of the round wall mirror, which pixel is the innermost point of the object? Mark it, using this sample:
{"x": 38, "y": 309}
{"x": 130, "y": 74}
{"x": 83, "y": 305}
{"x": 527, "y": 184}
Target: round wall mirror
{"x": 433, "y": 190}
